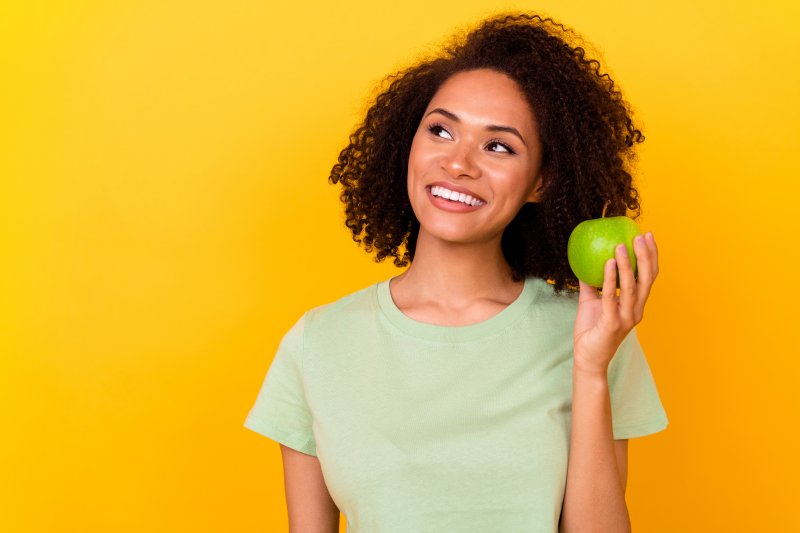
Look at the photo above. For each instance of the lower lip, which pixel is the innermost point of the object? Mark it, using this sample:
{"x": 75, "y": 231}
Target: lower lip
{"x": 447, "y": 205}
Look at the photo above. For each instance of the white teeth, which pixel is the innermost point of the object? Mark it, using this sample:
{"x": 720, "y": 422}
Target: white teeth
{"x": 455, "y": 196}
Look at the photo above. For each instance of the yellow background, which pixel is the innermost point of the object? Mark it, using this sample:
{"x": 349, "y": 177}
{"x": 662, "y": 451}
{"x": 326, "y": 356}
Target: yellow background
{"x": 165, "y": 217}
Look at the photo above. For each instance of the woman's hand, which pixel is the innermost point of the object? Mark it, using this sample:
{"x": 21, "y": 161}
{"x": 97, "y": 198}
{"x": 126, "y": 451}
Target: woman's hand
{"x": 603, "y": 322}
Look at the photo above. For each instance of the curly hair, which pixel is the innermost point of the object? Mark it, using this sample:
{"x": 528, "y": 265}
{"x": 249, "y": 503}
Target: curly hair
{"x": 586, "y": 132}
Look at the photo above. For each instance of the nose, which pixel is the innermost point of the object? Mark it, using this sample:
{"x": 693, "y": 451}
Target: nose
{"x": 460, "y": 162}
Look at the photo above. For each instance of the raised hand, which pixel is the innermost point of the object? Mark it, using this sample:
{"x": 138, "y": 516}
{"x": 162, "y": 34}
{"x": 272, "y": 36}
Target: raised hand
{"x": 603, "y": 322}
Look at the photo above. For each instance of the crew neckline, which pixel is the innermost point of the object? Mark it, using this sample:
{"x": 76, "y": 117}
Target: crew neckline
{"x": 470, "y": 332}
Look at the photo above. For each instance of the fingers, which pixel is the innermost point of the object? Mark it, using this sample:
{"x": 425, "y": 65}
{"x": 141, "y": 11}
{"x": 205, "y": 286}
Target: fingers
{"x": 646, "y": 257}
{"x": 628, "y": 310}
{"x": 587, "y": 292}
{"x": 651, "y": 243}
{"x": 610, "y": 290}
{"x": 647, "y": 263}
{"x": 627, "y": 292}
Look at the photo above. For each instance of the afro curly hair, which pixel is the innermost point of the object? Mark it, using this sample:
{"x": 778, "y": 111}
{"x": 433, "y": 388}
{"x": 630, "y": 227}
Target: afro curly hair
{"x": 585, "y": 128}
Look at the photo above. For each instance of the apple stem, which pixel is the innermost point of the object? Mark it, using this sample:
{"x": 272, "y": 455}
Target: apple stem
{"x": 604, "y": 209}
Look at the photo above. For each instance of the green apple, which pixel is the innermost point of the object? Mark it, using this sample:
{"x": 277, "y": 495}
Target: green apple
{"x": 592, "y": 243}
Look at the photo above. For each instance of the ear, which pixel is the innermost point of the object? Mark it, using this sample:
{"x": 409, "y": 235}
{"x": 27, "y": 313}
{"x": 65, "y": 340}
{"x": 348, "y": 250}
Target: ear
{"x": 536, "y": 193}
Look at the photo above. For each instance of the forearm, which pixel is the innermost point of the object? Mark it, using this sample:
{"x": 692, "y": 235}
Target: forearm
{"x": 594, "y": 500}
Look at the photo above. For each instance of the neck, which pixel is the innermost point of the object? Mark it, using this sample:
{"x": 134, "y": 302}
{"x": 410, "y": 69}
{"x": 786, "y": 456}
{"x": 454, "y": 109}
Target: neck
{"x": 455, "y": 275}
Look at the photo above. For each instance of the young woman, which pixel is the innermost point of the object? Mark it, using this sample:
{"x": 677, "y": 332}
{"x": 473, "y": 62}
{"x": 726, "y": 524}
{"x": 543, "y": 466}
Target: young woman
{"x": 485, "y": 388}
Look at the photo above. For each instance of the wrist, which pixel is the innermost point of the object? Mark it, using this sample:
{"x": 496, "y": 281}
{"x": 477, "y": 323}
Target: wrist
{"x": 589, "y": 373}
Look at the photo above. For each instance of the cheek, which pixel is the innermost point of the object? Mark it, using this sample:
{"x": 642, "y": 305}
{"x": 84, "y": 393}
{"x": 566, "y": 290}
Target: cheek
{"x": 515, "y": 184}
{"x": 420, "y": 160}
{"x": 413, "y": 155}
{"x": 412, "y": 174}
{"x": 507, "y": 177}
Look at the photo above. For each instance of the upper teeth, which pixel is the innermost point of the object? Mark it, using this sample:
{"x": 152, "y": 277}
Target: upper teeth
{"x": 455, "y": 196}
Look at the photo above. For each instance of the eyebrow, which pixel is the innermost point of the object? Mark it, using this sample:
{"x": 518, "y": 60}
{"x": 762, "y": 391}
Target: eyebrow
{"x": 490, "y": 127}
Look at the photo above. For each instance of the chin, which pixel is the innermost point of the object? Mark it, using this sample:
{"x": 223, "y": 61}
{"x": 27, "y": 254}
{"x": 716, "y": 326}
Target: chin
{"x": 448, "y": 234}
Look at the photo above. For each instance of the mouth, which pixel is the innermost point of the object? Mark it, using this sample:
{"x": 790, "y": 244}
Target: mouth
{"x": 455, "y": 195}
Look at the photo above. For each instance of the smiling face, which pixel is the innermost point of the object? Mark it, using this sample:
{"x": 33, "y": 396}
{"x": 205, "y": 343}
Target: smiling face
{"x": 478, "y": 137}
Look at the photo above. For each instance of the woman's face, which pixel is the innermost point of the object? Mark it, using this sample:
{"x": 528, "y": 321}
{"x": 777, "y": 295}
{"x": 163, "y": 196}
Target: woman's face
{"x": 478, "y": 136}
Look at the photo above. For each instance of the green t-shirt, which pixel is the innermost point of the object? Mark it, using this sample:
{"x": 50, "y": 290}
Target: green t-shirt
{"x": 427, "y": 428}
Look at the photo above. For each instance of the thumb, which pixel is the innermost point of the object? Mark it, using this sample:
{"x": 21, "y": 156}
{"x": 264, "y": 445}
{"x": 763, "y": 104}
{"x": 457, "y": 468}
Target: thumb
{"x": 587, "y": 292}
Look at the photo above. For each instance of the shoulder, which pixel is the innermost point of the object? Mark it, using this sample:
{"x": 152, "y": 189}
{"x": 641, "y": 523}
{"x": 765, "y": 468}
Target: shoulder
{"x": 547, "y": 293}
{"x": 343, "y": 311}
{"x": 562, "y": 306}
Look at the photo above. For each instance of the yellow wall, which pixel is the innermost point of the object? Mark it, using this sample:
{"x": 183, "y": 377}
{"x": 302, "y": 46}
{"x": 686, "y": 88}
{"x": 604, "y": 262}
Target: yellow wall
{"x": 165, "y": 217}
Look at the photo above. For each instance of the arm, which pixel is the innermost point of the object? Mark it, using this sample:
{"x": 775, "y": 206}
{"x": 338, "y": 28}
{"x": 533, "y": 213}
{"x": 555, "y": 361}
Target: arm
{"x": 310, "y": 506}
{"x": 594, "y": 499}
{"x": 597, "y": 467}
{"x": 621, "y": 449}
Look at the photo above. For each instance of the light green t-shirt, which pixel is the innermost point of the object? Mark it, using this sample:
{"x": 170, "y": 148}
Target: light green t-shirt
{"x": 427, "y": 428}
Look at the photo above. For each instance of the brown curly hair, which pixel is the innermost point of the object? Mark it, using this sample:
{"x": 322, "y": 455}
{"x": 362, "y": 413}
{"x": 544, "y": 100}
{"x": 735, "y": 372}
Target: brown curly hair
{"x": 585, "y": 128}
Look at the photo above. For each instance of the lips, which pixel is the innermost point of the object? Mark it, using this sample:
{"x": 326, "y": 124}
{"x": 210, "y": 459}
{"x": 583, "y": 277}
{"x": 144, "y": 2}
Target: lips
{"x": 456, "y": 188}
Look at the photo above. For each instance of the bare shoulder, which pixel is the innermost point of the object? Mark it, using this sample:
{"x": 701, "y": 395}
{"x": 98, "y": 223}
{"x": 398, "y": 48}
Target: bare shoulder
{"x": 309, "y": 504}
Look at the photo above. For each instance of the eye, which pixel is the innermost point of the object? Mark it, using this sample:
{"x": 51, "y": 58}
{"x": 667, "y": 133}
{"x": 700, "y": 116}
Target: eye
{"x": 506, "y": 147}
{"x": 434, "y": 128}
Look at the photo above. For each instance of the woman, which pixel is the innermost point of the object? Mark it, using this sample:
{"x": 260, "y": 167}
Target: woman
{"x": 469, "y": 393}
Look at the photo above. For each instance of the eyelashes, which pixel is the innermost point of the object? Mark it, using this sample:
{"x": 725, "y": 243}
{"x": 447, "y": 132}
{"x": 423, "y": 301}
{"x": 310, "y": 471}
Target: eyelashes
{"x": 435, "y": 126}
{"x": 506, "y": 147}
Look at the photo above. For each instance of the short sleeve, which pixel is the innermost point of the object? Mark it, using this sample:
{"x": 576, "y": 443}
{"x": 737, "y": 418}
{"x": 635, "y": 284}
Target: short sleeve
{"x": 281, "y": 412}
{"x": 636, "y": 408}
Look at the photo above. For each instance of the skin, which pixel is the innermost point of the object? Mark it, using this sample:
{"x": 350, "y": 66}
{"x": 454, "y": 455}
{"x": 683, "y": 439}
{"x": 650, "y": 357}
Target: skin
{"x": 595, "y": 491}
{"x": 459, "y": 277}
{"x": 461, "y": 150}
{"x": 309, "y": 504}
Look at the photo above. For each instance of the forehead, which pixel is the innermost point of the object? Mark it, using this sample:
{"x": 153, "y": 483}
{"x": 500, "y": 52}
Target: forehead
{"x": 485, "y": 97}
